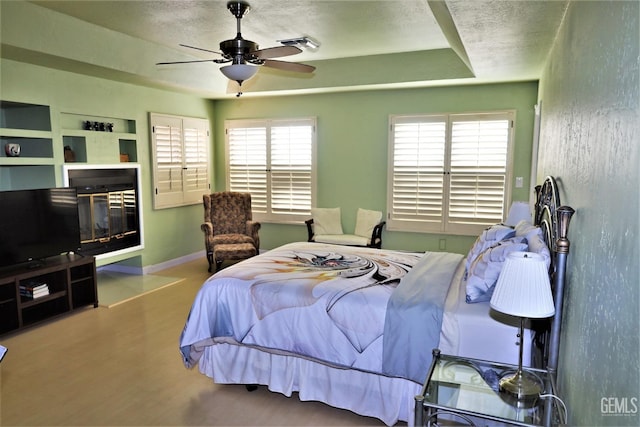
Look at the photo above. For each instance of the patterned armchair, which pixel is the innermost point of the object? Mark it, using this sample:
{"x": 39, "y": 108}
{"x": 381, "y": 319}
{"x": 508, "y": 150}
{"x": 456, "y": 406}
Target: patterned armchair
{"x": 229, "y": 231}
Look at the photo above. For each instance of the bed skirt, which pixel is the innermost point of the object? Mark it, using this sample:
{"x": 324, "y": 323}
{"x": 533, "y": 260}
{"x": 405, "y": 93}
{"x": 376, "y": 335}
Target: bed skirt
{"x": 386, "y": 398}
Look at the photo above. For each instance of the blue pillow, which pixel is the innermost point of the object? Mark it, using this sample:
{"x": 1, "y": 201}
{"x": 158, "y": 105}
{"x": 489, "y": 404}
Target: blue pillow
{"x": 535, "y": 240}
{"x": 484, "y": 271}
{"x": 488, "y": 238}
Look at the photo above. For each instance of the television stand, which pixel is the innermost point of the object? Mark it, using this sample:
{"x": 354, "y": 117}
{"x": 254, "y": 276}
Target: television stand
{"x": 70, "y": 284}
{"x": 36, "y": 263}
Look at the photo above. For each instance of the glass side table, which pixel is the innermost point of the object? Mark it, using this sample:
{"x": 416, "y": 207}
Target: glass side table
{"x": 466, "y": 391}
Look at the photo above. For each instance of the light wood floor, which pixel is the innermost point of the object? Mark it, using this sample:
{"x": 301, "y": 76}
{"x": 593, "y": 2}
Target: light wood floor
{"x": 121, "y": 366}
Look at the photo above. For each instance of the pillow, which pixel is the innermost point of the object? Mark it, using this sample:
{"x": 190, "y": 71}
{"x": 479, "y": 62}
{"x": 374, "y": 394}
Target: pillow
{"x": 366, "y": 221}
{"x": 342, "y": 239}
{"x": 484, "y": 271}
{"x": 488, "y": 238}
{"x": 326, "y": 221}
{"x": 524, "y": 228}
{"x": 534, "y": 238}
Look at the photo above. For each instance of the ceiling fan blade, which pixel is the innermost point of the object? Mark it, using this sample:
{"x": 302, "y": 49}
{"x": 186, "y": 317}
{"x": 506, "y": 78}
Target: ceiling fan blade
{"x": 199, "y": 48}
{"x": 276, "y": 52}
{"x": 186, "y": 62}
{"x": 289, "y": 66}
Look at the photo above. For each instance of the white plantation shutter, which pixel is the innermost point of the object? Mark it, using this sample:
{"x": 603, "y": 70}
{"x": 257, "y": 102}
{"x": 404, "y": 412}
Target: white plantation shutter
{"x": 168, "y": 147}
{"x": 181, "y": 160}
{"x": 274, "y": 161}
{"x": 417, "y": 169}
{"x": 479, "y": 151}
{"x": 449, "y": 173}
{"x": 247, "y": 163}
{"x": 196, "y": 159}
{"x": 291, "y": 168}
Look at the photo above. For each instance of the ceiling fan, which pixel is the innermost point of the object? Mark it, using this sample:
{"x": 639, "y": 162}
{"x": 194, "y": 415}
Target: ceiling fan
{"x": 245, "y": 56}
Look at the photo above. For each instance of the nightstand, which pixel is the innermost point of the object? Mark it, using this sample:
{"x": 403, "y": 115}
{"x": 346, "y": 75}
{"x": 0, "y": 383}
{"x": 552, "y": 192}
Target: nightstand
{"x": 465, "y": 391}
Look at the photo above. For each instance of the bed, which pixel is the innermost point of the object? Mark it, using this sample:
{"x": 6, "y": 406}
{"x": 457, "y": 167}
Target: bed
{"x": 354, "y": 327}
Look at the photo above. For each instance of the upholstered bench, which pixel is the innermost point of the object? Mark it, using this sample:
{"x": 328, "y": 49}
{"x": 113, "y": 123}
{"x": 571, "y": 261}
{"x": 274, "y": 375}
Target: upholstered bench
{"x": 233, "y": 252}
{"x": 326, "y": 227}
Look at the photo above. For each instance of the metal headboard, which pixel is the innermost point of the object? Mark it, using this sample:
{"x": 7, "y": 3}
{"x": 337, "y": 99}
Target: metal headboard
{"x": 553, "y": 218}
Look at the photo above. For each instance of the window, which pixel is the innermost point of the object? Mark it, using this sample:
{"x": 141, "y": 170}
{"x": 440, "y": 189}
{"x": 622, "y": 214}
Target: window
{"x": 448, "y": 173}
{"x": 274, "y": 160}
{"x": 180, "y": 160}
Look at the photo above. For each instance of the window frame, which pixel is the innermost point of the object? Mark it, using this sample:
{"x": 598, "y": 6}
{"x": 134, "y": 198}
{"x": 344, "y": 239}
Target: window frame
{"x": 417, "y": 223}
{"x": 270, "y": 214}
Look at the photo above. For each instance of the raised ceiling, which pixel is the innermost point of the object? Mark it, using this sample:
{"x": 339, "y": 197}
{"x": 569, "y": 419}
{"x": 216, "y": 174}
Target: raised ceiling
{"x": 364, "y": 44}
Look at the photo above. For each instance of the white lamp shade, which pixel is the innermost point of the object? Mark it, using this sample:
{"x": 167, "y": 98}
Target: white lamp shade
{"x": 519, "y": 211}
{"x": 523, "y": 287}
{"x": 239, "y": 72}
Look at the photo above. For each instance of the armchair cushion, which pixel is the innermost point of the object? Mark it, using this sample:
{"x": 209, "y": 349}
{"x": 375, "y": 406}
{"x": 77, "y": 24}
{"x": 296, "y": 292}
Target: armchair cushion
{"x": 326, "y": 220}
{"x": 231, "y": 239}
{"x": 366, "y": 220}
{"x": 342, "y": 239}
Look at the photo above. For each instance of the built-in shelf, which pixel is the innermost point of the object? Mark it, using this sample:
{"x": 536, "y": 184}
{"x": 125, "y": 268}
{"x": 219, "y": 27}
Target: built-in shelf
{"x": 128, "y": 150}
{"x": 19, "y": 115}
{"x": 29, "y": 147}
{"x": 29, "y": 126}
{"x": 99, "y": 147}
{"x": 42, "y": 151}
{"x": 74, "y": 121}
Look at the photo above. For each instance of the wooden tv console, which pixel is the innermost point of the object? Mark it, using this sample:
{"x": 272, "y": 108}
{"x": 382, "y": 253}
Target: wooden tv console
{"x": 71, "y": 281}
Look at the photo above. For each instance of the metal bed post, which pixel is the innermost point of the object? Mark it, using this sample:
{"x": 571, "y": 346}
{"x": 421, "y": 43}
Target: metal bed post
{"x": 564, "y": 214}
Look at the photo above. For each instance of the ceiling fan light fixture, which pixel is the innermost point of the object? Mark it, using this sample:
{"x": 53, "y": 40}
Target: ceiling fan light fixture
{"x": 239, "y": 72}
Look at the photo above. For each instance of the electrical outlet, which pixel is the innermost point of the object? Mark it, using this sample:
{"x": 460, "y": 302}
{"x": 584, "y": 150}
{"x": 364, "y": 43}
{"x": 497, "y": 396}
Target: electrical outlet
{"x": 519, "y": 182}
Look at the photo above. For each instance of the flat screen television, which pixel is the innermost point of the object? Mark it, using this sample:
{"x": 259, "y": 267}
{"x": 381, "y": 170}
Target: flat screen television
{"x": 37, "y": 224}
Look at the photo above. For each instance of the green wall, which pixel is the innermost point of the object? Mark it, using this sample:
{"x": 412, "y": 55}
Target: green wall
{"x": 353, "y": 144}
{"x": 168, "y": 233}
{"x": 590, "y": 133}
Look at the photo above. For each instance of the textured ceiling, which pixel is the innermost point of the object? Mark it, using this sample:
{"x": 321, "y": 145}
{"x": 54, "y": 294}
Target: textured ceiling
{"x": 345, "y": 28}
{"x": 364, "y": 44}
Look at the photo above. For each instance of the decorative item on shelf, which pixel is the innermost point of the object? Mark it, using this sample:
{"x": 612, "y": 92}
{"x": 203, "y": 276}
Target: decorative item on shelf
{"x": 97, "y": 126}
{"x": 12, "y": 149}
{"x": 523, "y": 290}
{"x": 69, "y": 155}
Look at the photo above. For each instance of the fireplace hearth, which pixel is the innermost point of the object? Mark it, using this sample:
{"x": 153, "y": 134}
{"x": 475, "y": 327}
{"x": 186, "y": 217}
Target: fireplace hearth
{"x": 109, "y": 207}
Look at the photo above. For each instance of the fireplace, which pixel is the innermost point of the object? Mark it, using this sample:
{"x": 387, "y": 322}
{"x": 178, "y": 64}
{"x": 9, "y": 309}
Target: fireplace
{"x": 109, "y": 206}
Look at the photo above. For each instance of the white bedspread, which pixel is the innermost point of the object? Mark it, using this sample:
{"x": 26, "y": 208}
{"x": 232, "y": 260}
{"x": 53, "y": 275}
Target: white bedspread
{"x": 323, "y": 302}
{"x": 238, "y": 317}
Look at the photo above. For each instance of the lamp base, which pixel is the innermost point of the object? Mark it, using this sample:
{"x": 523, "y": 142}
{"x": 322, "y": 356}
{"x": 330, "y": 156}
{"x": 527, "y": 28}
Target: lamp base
{"x": 520, "y": 386}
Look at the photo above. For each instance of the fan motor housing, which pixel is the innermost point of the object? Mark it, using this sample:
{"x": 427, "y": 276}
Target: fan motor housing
{"x": 238, "y": 46}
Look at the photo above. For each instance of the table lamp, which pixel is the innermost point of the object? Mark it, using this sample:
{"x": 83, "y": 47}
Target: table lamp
{"x": 523, "y": 290}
